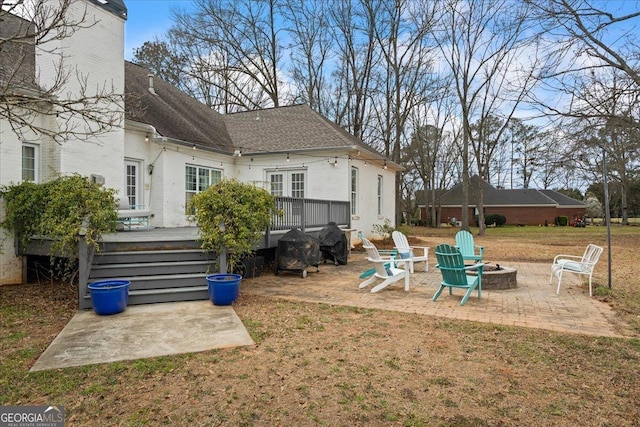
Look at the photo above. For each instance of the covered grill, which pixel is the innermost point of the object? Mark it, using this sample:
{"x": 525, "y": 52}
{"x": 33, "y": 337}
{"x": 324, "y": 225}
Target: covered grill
{"x": 333, "y": 244}
{"x": 297, "y": 251}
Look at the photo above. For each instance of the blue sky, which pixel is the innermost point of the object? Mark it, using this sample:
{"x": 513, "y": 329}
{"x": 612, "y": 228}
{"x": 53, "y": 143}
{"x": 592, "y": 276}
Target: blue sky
{"x": 148, "y": 19}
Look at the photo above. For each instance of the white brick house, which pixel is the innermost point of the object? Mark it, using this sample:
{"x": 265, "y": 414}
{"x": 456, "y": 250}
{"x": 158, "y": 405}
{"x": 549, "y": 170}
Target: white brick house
{"x": 169, "y": 146}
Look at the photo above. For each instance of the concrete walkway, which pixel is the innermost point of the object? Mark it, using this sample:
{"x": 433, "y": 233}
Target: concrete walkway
{"x": 534, "y": 304}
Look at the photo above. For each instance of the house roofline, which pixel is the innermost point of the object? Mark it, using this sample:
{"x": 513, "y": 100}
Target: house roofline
{"x": 158, "y": 138}
{"x": 144, "y": 127}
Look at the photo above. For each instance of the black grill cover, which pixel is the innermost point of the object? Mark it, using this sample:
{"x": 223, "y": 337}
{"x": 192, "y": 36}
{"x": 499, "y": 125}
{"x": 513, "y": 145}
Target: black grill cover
{"x": 333, "y": 244}
{"x": 297, "y": 251}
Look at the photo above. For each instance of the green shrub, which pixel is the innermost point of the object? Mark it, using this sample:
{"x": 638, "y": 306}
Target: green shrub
{"x": 562, "y": 220}
{"x": 497, "y": 219}
{"x": 232, "y": 216}
{"x": 57, "y": 209}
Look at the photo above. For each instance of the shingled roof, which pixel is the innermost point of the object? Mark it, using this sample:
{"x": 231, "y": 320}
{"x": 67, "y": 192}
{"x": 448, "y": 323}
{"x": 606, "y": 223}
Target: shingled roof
{"x": 17, "y": 55}
{"x": 513, "y": 197}
{"x": 173, "y": 113}
{"x": 291, "y": 128}
{"x": 178, "y": 116}
{"x": 117, "y": 7}
{"x": 562, "y": 199}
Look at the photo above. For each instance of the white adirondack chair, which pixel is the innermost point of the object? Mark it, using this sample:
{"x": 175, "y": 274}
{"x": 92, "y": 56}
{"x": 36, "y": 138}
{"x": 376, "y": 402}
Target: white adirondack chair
{"x": 410, "y": 254}
{"x": 388, "y": 274}
{"x": 582, "y": 265}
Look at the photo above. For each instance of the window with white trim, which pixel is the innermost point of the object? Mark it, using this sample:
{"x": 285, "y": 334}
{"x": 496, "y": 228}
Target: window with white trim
{"x": 30, "y": 162}
{"x": 287, "y": 183}
{"x": 354, "y": 190}
{"x": 379, "y": 194}
{"x": 297, "y": 184}
{"x": 132, "y": 183}
{"x": 197, "y": 179}
{"x": 276, "y": 181}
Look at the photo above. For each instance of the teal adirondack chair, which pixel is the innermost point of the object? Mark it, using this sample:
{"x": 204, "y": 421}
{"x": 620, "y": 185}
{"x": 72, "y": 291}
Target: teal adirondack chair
{"x": 451, "y": 264}
{"x": 469, "y": 251}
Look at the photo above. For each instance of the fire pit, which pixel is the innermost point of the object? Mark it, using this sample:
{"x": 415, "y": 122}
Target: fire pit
{"x": 497, "y": 277}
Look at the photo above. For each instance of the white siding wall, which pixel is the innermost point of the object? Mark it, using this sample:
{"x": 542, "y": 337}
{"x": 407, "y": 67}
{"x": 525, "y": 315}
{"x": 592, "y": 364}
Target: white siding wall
{"x": 328, "y": 182}
{"x": 367, "y": 208}
{"x": 165, "y": 188}
{"x": 167, "y": 193}
{"x": 323, "y": 180}
{"x": 10, "y": 173}
{"x": 97, "y": 53}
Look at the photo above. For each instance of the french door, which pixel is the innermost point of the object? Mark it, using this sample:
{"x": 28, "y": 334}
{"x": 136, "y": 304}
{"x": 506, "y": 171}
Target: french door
{"x": 133, "y": 184}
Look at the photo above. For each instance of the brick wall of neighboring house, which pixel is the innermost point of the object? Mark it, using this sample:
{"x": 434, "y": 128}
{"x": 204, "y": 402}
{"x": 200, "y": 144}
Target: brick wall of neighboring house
{"x": 454, "y": 212}
{"x": 572, "y": 213}
{"x": 516, "y": 215}
{"x": 535, "y": 215}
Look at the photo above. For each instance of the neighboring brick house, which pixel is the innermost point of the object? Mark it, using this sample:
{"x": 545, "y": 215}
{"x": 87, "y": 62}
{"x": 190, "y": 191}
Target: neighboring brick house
{"x": 519, "y": 206}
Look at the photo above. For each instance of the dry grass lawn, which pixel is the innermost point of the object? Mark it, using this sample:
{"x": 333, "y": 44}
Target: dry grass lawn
{"x": 314, "y": 364}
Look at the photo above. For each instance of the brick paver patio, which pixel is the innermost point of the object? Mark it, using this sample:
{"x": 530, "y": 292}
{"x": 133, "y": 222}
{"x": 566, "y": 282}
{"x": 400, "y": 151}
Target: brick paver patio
{"x": 534, "y": 304}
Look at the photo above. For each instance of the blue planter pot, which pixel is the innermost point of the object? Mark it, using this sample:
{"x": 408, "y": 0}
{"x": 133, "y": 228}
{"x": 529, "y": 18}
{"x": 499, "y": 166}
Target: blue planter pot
{"x": 223, "y": 288}
{"x": 109, "y": 296}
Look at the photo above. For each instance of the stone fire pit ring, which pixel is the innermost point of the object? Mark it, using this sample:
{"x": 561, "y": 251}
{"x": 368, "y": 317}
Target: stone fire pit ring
{"x": 497, "y": 277}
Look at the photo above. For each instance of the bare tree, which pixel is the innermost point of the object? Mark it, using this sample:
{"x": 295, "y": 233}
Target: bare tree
{"x": 36, "y": 28}
{"x": 529, "y": 147}
{"x": 603, "y": 32}
{"x": 354, "y": 35}
{"x": 610, "y": 125}
{"x": 483, "y": 43}
{"x": 597, "y": 66}
{"x": 234, "y": 46}
{"x": 310, "y": 50}
{"x": 432, "y": 152}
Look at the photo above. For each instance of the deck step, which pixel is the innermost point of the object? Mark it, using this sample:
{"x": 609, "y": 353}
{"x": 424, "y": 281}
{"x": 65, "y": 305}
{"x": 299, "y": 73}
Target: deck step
{"x": 171, "y": 255}
{"x": 158, "y": 271}
{"x": 136, "y": 297}
{"x": 150, "y": 269}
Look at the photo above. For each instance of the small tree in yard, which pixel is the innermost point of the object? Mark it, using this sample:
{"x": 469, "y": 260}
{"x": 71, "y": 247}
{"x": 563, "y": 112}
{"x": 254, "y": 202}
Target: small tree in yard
{"x": 232, "y": 217}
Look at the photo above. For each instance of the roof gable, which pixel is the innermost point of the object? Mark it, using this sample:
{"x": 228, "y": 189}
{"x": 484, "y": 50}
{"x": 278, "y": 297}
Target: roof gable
{"x": 179, "y": 116}
{"x": 454, "y": 196}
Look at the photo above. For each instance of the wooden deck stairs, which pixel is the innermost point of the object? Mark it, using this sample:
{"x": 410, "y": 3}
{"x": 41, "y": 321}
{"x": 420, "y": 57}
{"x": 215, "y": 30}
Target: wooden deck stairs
{"x": 159, "y": 271}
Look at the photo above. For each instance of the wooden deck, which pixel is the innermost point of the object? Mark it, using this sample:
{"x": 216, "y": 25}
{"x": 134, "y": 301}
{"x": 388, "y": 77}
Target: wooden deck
{"x": 152, "y": 235}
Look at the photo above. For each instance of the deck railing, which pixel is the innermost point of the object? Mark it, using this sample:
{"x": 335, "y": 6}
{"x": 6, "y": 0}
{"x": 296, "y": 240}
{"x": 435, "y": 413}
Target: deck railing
{"x": 309, "y": 213}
